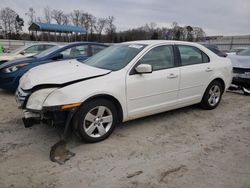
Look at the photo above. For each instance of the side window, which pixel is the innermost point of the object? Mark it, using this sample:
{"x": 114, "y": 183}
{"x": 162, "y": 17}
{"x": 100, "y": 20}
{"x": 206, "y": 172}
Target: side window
{"x": 75, "y": 51}
{"x": 32, "y": 49}
{"x": 41, "y": 48}
{"x": 96, "y": 49}
{"x": 47, "y": 47}
{"x": 161, "y": 57}
{"x": 191, "y": 55}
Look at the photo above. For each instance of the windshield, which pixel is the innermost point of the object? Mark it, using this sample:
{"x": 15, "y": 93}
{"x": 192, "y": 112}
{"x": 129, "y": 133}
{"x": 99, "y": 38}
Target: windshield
{"x": 115, "y": 57}
{"x": 245, "y": 52}
{"x": 47, "y": 52}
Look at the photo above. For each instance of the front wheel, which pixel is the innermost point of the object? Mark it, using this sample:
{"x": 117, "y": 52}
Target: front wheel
{"x": 212, "y": 96}
{"x": 95, "y": 120}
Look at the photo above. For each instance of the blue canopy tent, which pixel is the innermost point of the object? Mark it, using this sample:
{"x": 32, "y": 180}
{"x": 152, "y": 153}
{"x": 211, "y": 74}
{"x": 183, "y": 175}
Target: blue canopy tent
{"x": 55, "y": 28}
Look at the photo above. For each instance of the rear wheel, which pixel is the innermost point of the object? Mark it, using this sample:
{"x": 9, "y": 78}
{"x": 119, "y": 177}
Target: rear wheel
{"x": 212, "y": 96}
{"x": 96, "y": 120}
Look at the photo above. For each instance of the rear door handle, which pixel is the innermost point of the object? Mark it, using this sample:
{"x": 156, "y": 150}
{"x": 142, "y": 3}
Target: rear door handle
{"x": 208, "y": 69}
{"x": 172, "y": 75}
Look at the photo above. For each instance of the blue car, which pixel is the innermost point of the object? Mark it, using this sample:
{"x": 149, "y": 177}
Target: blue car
{"x": 12, "y": 71}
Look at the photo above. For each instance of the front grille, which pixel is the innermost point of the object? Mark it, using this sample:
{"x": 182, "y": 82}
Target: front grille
{"x": 21, "y": 97}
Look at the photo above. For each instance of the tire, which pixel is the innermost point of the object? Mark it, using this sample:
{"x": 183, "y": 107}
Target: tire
{"x": 212, "y": 95}
{"x": 246, "y": 91}
{"x": 95, "y": 120}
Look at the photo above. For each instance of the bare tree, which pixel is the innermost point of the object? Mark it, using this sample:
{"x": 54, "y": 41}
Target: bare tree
{"x": 65, "y": 19}
{"x": 75, "y": 17}
{"x": 199, "y": 34}
{"x": 92, "y": 24}
{"x": 110, "y": 27}
{"x": 4, "y": 20}
{"x": 47, "y": 14}
{"x": 10, "y": 20}
{"x": 100, "y": 25}
{"x": 39, "y": 19}
{"x": 84, "y": 22}
{"x": 57, "y": 15}
{"x": 19, "y": 23}
{"x": 32, "y": 15}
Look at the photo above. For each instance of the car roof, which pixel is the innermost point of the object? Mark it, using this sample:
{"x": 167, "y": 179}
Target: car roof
{"x": 95, "y": 43}
{"x": 153, "y": 42}
{"x": 41, "y": 43}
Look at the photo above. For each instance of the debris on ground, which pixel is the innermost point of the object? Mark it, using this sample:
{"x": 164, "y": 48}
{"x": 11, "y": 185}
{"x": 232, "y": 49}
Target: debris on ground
{"x": 59, "y": 153}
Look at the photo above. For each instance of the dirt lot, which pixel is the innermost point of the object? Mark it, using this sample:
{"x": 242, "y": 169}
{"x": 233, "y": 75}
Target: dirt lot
{"x": 189, "y": 147}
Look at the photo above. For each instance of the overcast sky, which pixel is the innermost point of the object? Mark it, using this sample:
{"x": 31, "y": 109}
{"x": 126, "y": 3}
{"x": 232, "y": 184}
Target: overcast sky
{"x": 216, "y": 17}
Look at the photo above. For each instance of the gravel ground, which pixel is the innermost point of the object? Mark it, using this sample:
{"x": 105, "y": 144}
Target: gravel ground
{"x": 189, "y": 147}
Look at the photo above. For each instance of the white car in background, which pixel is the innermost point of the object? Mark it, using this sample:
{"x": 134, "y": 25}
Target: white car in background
{"x": 121, "y": 83}
{"x": 241, "y": 71}
{"x": 25, "y": 51}
{"x": 235, "y": 51}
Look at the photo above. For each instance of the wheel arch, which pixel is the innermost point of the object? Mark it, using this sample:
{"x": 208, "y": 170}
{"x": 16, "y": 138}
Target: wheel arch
{"x": 216, "y": 79}
{"x": 222, "y": 83}
{"x": 117, "y": 104}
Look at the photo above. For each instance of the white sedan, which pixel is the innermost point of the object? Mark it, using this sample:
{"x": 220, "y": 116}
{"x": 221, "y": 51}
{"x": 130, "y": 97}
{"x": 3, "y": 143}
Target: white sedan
{"x": 121, "y": 83}
{"x": 25, "y": 51}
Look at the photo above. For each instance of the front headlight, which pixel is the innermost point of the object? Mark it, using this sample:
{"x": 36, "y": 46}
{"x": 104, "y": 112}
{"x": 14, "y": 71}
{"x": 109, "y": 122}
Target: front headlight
{"x": 14, "y": 68}
{"x": 35, "y": 101}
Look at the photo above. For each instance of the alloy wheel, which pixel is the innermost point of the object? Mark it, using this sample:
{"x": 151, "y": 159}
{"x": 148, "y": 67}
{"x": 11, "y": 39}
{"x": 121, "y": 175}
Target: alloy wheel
{"x": 98, "y": 121}
{"x": 214, "y": 95}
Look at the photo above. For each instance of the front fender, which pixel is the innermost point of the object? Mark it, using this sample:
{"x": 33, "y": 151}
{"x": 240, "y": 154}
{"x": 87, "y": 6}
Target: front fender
{"x": 112, "y": 84}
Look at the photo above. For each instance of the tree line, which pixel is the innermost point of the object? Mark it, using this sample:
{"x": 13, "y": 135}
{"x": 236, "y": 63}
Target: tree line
{"x": 97, "y": 28}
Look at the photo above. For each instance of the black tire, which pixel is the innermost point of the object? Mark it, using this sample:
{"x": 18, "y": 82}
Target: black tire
{"x": 206, "y": 97}
{"x": 80, "y": 120}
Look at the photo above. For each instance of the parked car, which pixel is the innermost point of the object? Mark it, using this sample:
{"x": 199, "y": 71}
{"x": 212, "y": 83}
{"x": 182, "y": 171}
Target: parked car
{"x": 121, "y": 83}
{"x": 241, "y": 71}
{"x": 25, "y": 51}
{"x": 237, "y": 50}
{"x": 216, "y": 50}
{"x": 12, "y": 71}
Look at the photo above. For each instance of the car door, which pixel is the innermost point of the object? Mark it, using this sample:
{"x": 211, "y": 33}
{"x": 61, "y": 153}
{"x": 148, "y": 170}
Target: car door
{"x": 157, "y": 91}
{"x": 195, "y": 71}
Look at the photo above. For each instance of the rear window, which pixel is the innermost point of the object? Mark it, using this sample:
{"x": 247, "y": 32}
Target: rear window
{"x": 191, "y": 55}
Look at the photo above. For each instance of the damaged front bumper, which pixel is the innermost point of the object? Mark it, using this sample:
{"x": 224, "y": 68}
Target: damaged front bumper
{"x": 241, "y": 77}
{"x": 55, "y": 115}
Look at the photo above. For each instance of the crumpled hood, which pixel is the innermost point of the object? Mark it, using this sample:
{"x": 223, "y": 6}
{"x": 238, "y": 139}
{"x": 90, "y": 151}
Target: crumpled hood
{"x": 239, "y": 61}
{"x": 58, "y": 73}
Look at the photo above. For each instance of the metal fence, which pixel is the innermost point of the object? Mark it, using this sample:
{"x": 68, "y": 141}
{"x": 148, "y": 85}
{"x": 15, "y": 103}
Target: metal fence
{"x": 229, "y": 42}
{"x": 224, "y": 43}
{"x": 13, "y": 44}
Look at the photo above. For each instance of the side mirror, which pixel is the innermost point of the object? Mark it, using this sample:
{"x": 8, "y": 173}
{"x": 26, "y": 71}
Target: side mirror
{"x": 57, "y": 56}
{"x": 22, "y": 53}
{"x": 144, "y": 68}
